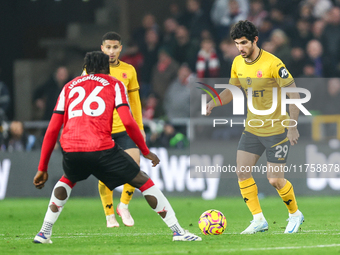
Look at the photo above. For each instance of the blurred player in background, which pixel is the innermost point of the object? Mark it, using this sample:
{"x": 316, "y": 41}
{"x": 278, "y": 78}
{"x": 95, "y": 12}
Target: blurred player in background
{"x": 85, "y": 108}
{"x": 262, "y": 72}
{"x": 111, "y": 46}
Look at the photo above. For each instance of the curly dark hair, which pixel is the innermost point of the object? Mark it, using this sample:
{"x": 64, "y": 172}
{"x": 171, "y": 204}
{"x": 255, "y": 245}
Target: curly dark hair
{"x": 96, "y": 62}
{"x": 244, "y": 28}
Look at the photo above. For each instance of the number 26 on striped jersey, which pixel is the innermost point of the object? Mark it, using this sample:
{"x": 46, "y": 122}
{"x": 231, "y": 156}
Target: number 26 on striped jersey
{"x": 93, "y": 97}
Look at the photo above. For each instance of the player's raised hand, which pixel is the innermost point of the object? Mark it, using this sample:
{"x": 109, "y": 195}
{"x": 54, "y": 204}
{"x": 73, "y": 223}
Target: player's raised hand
{"x": 209, "y": 108}
{"x": 293, "y": 135}
{"x": 39, "y": 179}
{"x": 153, "y": 157}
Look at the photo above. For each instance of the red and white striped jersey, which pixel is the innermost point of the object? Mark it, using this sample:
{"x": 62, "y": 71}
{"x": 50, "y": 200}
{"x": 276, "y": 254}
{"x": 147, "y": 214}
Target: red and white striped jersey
{"x": 87, "y": 103}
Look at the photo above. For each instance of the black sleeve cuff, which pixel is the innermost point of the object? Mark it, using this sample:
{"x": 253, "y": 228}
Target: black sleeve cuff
{"x": 122, "y": 105}
{"x": 59, "y": 112}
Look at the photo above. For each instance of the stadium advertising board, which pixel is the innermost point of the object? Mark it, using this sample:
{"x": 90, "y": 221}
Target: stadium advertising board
{"x": 177, "y": 174}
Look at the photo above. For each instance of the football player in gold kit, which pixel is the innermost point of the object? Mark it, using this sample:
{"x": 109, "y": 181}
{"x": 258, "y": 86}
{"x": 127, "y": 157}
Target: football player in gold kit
{"x": 126, "y": 73}
{"x": 262, "y": 72}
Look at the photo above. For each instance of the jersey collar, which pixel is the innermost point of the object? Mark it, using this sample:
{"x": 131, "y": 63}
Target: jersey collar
{"x": 255, "y": 60}
{"x": 116, "y": 65}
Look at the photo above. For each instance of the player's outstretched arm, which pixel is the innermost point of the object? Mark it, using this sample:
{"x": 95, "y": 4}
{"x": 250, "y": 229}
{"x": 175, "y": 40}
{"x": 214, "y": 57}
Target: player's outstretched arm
{"x": 50, "y": 139}
{"x": 226, "y": 96}
{"x": 293, "y": 133}
{"x": 135, "y": 134}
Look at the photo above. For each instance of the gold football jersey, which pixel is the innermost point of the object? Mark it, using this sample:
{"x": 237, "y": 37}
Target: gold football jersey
{"x": 126, "y": 73}
{"x": 262, "y": 75}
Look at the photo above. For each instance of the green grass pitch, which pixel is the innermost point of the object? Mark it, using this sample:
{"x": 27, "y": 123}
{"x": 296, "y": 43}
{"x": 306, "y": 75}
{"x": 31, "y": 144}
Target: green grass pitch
{"x": 81, "y": 228}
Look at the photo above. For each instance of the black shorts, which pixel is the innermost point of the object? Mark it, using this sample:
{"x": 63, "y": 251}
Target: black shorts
{"x": 124, "y": 140}
{"x": 113, "y": 167}
{"x": 276, "y": 146}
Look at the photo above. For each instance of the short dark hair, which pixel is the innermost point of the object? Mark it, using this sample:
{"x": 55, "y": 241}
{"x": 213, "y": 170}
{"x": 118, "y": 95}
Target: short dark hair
{"x": 96, "y": 62}
{"x": 113, "y": 36}
{"x": 244, "y": 28}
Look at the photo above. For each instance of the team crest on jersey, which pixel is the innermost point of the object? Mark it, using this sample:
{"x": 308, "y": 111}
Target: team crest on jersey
{"x": 124, "y": 75}
{"x": 249, "y": 81}
{"x": 259, "y": 74}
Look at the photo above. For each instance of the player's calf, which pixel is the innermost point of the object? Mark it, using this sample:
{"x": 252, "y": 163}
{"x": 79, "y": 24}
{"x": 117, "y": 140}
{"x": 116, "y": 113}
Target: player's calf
{"x": 59, "y": 197}
{"x": 161, "y": 205}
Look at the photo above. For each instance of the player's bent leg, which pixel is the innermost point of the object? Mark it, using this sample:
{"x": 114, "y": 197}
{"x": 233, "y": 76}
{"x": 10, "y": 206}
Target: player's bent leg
{"x": 60, "y": 194}
{"x": 107, "y": 202}
{"x": 248, "y": 188}
{"x": 127, "y": 193}
{"x": 245, "y": 161}
{"x": 275, "y": 175}
{"x": 249, "y": 193}
{"x": 161, "y": 205}
{"x": 286, "y": 191}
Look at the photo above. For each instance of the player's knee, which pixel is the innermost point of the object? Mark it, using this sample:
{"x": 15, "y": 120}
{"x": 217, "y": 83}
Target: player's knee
{"x": 60, "y": 193}
{"x": 275, "y": 182}
{"x": 139, "y": 180}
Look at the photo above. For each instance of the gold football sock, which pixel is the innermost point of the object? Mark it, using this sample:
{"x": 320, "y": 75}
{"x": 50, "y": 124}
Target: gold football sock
{"x": 106, "y": 197}
{"x": 288, "y": 197}
{"x": 127, "y": 193}
{"x": 249, "y": 193}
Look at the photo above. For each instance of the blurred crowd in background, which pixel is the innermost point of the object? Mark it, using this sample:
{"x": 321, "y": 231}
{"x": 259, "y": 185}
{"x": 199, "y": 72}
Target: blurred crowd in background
{"x": 194, "y": 42}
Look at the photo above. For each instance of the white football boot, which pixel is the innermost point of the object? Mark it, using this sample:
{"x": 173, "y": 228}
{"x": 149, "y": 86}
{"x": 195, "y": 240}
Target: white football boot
{"x": 41, "y": 238}
{"x": 256, "y": 226}
{"x": 187, "y": 236}
{"x": 294, "y": 223}
{"x": 111, "y": 221}
{"x": 126, "y": 216}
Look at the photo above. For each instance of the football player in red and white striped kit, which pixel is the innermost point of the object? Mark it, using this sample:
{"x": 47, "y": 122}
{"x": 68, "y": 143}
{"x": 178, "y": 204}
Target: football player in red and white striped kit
{"x": 85, "y": 108}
